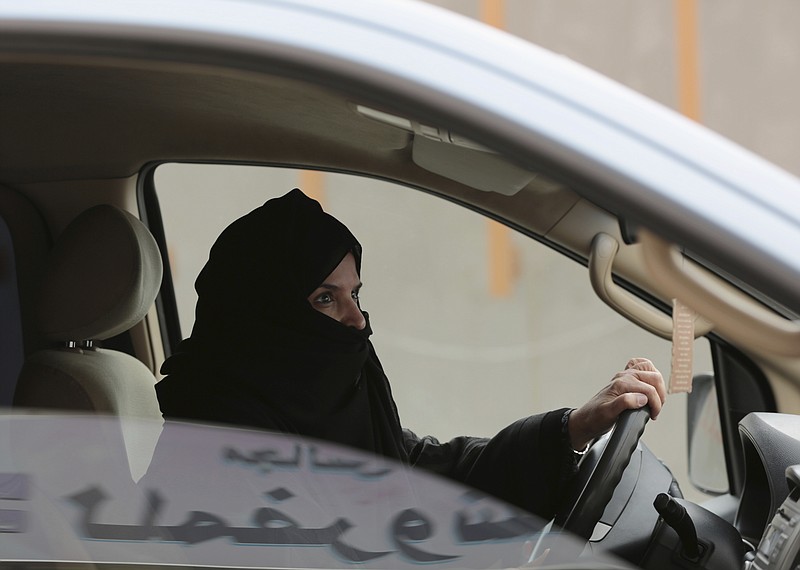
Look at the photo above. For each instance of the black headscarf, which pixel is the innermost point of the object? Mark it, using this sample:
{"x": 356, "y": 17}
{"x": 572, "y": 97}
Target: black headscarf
{"x": 261, "y": 355}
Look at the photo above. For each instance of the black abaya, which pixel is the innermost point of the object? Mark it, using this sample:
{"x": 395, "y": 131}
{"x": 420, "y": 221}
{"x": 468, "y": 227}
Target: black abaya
{"x": 260, "y": 355}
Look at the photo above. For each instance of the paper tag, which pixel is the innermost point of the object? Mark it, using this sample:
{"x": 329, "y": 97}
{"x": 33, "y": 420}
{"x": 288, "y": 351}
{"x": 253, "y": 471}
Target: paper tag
{"x": 680, "y": 378}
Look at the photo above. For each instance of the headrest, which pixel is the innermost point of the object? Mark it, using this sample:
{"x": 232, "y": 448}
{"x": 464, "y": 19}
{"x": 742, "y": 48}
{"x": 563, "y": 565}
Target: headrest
{"x": 101, "y": 278}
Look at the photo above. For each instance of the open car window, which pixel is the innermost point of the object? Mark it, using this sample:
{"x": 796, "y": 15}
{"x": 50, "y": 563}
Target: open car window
{"x": 464, "y": 311}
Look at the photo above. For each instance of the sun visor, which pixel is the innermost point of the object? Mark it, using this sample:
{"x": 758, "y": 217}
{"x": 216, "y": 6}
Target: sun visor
{"x": 479, "y": 169}
{"x": 455, "y": 157}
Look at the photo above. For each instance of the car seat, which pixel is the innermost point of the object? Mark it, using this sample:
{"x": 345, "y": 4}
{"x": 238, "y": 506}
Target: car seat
{"x": 100, "y": 279}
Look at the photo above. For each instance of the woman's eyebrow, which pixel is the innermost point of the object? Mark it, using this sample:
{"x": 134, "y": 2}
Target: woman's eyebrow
{"x": 334, "y": 287}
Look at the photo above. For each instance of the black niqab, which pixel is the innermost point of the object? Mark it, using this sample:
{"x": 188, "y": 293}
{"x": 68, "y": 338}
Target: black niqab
{"x": 261, "y": 355}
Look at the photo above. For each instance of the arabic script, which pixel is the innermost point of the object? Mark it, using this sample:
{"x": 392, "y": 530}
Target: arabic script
{"x": 301, "y": 456}
{"x": 408, "y": 529}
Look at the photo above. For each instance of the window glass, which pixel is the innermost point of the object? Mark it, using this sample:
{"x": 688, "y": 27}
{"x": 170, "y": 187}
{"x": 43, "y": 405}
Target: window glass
{"x": 465, "y": 355}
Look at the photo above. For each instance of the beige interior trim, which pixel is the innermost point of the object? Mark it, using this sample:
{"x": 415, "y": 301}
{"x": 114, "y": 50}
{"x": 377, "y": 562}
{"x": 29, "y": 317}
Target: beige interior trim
{"x": 601, "y": 260}
{"x": 736, "y": 315}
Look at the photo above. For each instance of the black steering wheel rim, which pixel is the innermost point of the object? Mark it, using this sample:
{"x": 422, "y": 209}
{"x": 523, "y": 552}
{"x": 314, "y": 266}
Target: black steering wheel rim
{"x": 581, "y": 517}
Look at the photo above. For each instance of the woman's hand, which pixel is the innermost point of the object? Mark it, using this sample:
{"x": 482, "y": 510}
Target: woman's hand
{"x": 639, "y": 384}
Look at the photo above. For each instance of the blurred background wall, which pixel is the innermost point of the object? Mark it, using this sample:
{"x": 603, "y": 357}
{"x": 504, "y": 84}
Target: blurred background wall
{"x": 732, "y": 65}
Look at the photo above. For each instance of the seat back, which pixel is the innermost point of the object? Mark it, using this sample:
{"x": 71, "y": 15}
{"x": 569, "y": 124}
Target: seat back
{"x": 100, "y": 279}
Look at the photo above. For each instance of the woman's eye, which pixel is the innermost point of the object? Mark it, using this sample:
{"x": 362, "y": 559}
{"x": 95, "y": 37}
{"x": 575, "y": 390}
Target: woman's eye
{"x": 325, "y": 298}
{"x": 354, "y": 295}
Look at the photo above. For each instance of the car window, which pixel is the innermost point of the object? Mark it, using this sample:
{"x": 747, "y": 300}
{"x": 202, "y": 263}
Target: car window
{"x": 475, "y": 325}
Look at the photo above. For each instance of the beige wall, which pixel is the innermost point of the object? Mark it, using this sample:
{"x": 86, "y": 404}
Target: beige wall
{"x": 747, "y": 56}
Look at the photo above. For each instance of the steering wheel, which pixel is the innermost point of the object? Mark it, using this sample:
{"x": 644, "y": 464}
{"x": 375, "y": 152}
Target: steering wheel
{"x": 581, "y": 517}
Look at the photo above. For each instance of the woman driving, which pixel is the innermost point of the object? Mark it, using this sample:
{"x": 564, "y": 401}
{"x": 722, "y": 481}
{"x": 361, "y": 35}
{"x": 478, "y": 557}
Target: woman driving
{"x": 280, "y": 342}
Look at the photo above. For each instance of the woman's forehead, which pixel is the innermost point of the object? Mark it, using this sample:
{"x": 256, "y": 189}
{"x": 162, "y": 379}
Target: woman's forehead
{"x": 345, "y": 274}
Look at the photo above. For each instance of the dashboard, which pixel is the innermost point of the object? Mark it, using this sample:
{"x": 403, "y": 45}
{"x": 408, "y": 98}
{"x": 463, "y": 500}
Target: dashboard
{"x": 650, "y": 524}
{"x": 770, "y": 504}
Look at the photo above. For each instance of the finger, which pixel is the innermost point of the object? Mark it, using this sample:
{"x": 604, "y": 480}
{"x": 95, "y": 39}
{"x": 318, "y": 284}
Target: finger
{"x": 640, "y": 364}
{"x": 655, "y": 379}
{"x": 625, "y": 401}
{"x": 662, "y": 388}
{"x": 632, "y": 384}
{"x": 634, "y": 401}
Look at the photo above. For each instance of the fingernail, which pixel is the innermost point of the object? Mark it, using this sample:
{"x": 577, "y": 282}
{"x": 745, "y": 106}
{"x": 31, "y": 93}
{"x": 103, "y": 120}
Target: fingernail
{"x": 641, "y": 399}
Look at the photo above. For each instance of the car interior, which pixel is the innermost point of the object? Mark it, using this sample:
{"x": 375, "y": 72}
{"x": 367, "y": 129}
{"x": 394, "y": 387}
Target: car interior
{"x": 88, "y": 317}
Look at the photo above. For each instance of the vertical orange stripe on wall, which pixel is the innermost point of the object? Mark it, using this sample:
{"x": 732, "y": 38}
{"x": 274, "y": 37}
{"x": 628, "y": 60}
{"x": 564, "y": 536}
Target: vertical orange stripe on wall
{"x": 312, "y": 183}
{"x": 501, "y": 254}
{"x": 686, "y": 31}
{"x": 493, "y": 12}
{"x": 501, "y": 260}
